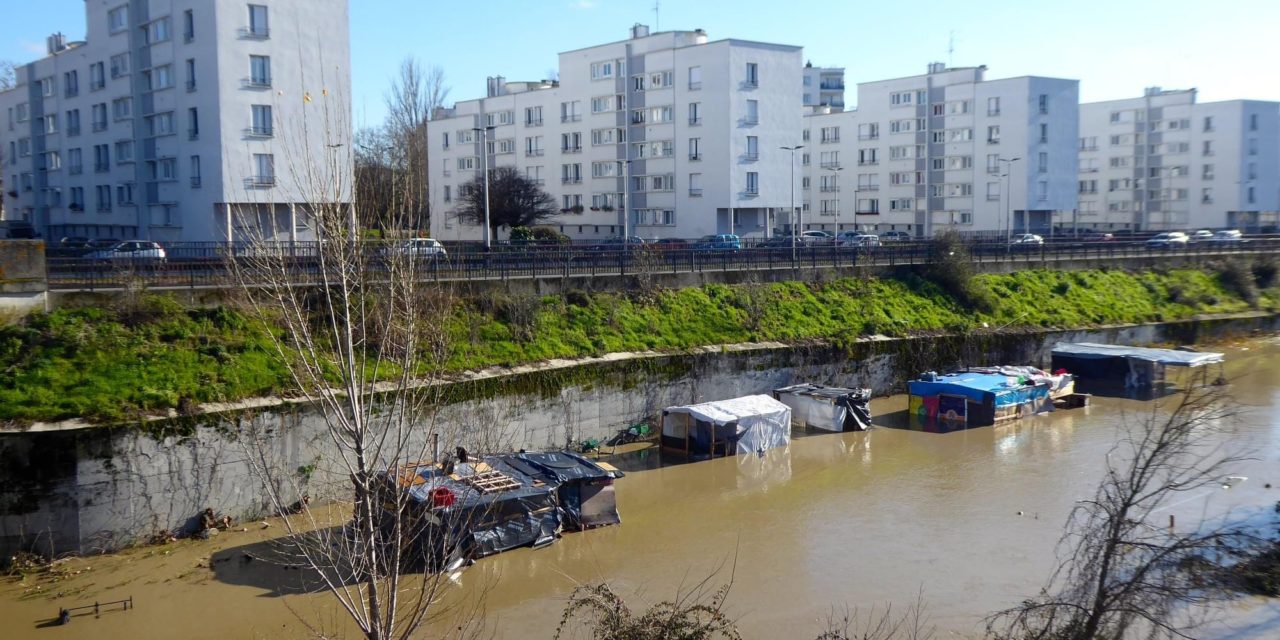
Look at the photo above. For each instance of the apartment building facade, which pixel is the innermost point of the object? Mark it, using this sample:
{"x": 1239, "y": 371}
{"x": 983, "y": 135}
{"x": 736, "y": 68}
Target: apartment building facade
{"x": 682, "y": 132}
{"x": 945, "y": 150}
{"x": 823, "y": 86}
{"x": 182, "y": 120}
{"x": 1164, "y": 161}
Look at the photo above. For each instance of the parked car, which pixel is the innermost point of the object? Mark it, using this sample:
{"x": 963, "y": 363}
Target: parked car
{"x": 617, "y": 243}
{"x": 1026, "y": 240}
{"x": 419, "y": 247}
{"x": 1097, "y": 236}
{"x": 1201, "y": 235}
{"x": 895, "y": 236}
{"x": 719, "y": 242}
{"x": 779, "y": 242}
{"x": 1168, "y": 240}
{"x": 140, "y": 250}
{"x": 862, "y": 240}
{"x": 1228, "y": 235}
{"x": 670, "y": 244}
{"x": 816, "y": 238}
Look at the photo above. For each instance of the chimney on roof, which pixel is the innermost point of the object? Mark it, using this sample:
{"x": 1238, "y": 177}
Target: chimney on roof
{"x": 56, "y": 43}
{"x": 639, "y": 31}
{"x": 937, "y": 67}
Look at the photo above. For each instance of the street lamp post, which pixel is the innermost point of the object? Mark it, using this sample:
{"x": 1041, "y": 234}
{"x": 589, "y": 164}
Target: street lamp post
{"x": 1008, "y": 200}
{"x": 835, "y": 171}
{"x": 484, "y": 163}
{"x": 626, "y": 185}
{"x": 795, "y": 216}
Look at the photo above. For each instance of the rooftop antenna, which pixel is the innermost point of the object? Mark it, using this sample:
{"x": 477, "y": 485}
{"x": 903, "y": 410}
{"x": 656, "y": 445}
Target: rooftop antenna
{"x": 657, "y": 7}
{"x": 951, "y": 49}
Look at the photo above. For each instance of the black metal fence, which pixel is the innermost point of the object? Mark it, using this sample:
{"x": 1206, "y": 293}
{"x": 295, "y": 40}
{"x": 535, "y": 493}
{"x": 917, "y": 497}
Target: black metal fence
{"x": 198, "y": 265}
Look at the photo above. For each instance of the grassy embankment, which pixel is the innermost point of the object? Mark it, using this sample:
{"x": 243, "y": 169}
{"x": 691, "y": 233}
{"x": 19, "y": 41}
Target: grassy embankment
{"x": 108, "y": 365}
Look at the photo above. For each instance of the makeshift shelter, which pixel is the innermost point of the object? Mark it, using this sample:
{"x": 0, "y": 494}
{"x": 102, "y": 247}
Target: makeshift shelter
{"x": 984, "y": 396}
{"x": 477, "y": 509}
{"x": 726, "y": 427}
{"x": 584, "y": 488}
{"x": 827, "y": 408}
{"x": 1110, "y": 367}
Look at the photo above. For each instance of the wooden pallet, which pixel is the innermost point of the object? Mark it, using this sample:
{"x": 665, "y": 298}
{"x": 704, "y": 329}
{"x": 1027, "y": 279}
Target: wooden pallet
{"x": 492, "y": 482}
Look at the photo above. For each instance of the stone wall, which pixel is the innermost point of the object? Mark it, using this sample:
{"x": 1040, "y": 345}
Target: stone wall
{"x": 97, "y": 489}
{"x": 23, "y": 281}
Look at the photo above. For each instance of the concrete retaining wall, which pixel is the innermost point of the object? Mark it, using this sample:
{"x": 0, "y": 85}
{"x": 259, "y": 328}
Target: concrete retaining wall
{"x": 23, "y": 280}
{"x": 97, "y": 489}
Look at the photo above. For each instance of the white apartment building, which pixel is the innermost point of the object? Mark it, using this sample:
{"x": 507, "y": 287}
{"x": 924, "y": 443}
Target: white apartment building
{"x": 823, "y": 86}
{"x": 181, "y": 120}
{"x": 945, "y": 150}
{"x": 1165, "y": 161}
{"x": 681, "y": 131}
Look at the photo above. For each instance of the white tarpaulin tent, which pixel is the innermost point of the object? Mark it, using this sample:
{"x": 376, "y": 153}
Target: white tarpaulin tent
{"x": 749, "y": 424}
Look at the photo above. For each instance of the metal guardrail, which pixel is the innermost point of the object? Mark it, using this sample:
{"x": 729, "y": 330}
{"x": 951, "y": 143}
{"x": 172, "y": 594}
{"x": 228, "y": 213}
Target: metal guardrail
{"x": 208, "y": 265}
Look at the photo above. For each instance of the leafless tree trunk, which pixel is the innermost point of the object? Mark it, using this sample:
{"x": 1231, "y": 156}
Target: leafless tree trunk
{"x": 8, "y": 75}
{"x": 1122, "y": 570}
{"x": 414, "y": 95}
{"x": 361, "y": 332}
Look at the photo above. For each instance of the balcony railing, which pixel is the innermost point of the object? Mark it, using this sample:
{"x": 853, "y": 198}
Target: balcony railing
{"x": 574, "y": 117}
{"x": 261, "y": 181}
{"x": 533, "y": 152}
{"x": 571, "y": 179}
{"x": 533, "y": 123}
{"x": 694, "y": 86}
{"x": 751, "y": 157}
{"x": 695, "y": 193}
{"x": 577, "y": 149}
{"x": 191, "y": 86}
{"x": 751, "y": 120}
{"x": 99, "y": 126}
{"x": 101, "y": 167}
{"x": 694, "y": 121}
{"x": 195, "y": 182}
{"x": 259, "y": 82}
{"x": 695, "y": 156}
{"x": 260, "y": 132}
{"x": 193, "y": 134}
{"x": 254, "y": 33}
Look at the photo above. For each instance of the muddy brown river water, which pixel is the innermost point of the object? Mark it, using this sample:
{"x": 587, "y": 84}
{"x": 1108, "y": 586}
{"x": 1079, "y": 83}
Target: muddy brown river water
{"x": 968, "y": 519}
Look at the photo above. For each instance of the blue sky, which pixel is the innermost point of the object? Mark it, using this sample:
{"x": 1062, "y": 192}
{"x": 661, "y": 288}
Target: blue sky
{"x": 1114, "y": 47}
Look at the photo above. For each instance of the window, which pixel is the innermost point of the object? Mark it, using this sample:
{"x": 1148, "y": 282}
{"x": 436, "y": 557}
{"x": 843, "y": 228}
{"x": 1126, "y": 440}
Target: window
{"x": 52, "y": 161}
{"x": 51, "y": 123}
{"x": 1253, "y": 146}
{"x": 603, "y": 70}
{"x": 99, "y": 112}
{"x": 753, "y": 148}
{"x": 1044, "y": 133}
{"x": 124, "y": 194}
{"x": 1253, "y": 124}
{"x": 160, "y": 124}
{"x": 260, "y": 71}
{"x": 868, "y": 131}
{"x": 448, "y": 193}
{"x": 499, "y": 118}
{"x": 101, "y": 158}
{"x": 188, "y": 25}
{"x": 993, "y": 134}
{"x": 753, "y": 183}
{"x": 77, "y": 199}
{"x": 753, "y": 112}
{"x": 103, "y": 193}
{"x": 993, "y": 106}
{"x": 571, "y": 142}
{"x": 695, "y": 78}
{"x": 1088, "y": 186}
{"x": 534, "y": 174}
{"x": 165, "y": 169}
{"x": 1043, "y": 165}
{"x": 260, "y": 123}
{"x": 193, "y": 123}
{"x": 602, "y": 105}
{"x": 467, "y": 164}
{"x": 832, "y": 134}
{"x": 24, "y": 147}
{"x": 831, "y": 159}
{"x": 124, "y": 151}
{"x": 867, "y": 205}
{"x": 1250, "y": 195}
{"x": 571, "y": 173}
{"x": 901, "y": 98}
{"x": 191, "y": 74}
{"x": 75, "y": 161}
{"x": 22, "y": 112}
{"x": 829, "y": 208}
{"x": 122, "y": 108}
{"x": 1208, "y": 124}
{"x": 571, "y": 111}
{"x": 73, "y": 122}
{"x": 258, "y": 26}
{"x": 1251, "y": 173}
{"x": 118, "y": 19}
{"x": 661, "y": 79}
{"x": 606, "y": 169}
{"x": 993, "y": 191}
{"x": 695, "y": 185}
{"x": 753, "y": 75}
{"x": 1206, "y": 172}
{"x": 71, "y": 84}
{"x": 158, "y": 78}
{"x": 533, "y": 116}
{"x": 533, "y": 146}
{"x": 265, "y": 169}
{"x": 938, "y": 137}
{"x": 958, "y": 107}
{"x": 1044, "y": 103}
{"x": 120, "y": 65}
{"x": 1208, "y": 148}
{"x": 157, "y": 31}
{"x": 694, "y": 145}
{"x": 658, "y": 115}
{"x": 867, "y": 156}
{"x": 97, "y": 76}
{"x": 695, "y": 113}
{"x": 1042, "y": 190}
{"x": 1206, "y": 195}
{"x": 829, "y": 183}
{"x": 960, "y": 135}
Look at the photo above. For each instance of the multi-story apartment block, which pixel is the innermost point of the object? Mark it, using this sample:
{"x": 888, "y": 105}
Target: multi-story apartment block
{"x": 186, "y": 120}
{"x": 945, "y": 150}
{"x": 1165, "y": 161}
{"x": 681, "y": 132}
{"x": 823, "y": 86}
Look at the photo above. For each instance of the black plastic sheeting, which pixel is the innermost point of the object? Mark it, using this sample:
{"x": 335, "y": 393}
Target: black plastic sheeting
{"x": 584, "y": 488}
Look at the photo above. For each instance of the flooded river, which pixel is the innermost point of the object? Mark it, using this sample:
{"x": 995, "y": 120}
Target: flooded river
{"x": 969, "y": 519}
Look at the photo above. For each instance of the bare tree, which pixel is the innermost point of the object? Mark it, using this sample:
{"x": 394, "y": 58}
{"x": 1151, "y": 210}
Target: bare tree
{"x": 514, "y": 200}
{"x": 414, "y": 95}
{"x": 8, "y": 75}
{"x": 362, "y": 337}
{"x": 1121, "y": 570}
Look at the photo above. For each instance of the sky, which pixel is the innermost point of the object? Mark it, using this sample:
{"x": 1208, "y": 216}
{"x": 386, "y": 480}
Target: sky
{"x": 1227, "y": 49}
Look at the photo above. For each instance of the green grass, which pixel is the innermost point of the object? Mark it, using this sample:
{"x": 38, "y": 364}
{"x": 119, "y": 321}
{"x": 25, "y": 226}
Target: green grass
{"x": 106, "y": 366}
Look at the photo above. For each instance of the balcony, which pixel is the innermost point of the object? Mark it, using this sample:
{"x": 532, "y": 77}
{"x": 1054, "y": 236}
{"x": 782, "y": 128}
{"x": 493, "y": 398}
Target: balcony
{"x": 260, "y": 132}
{"x": 695, "y": 193}
{"x": 533, "y": 123}
{"x": 99, "y": 126}
{"x": 750, "y": 157}
{"x": 533, "y": 153}
{"x": 831, "y": 85}
{"x": 254, "y": 33}
{"x": 258, "y": 82}
{"x": 101, "y": 167}
{"x": 831, "y": 139}
{"x": 260, "y": 181}
{"x": 830, "y": 189}
{"x": 577, "y": 149}
{"x": 573, "y": 117}
{"x": 750, "y": 120}
{"x": 694, "y": 122}
{"x": 571, "y": 180}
